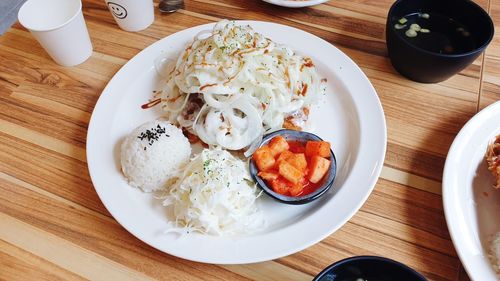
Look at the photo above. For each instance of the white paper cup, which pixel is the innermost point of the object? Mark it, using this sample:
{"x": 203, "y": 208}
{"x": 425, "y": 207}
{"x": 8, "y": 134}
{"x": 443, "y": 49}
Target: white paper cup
{"x": 132, "y": 15}
{"x": 59, "y": 27}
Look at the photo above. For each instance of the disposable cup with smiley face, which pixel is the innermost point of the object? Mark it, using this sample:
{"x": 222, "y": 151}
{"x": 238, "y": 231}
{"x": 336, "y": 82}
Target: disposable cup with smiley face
{"x": 132, "y": 15}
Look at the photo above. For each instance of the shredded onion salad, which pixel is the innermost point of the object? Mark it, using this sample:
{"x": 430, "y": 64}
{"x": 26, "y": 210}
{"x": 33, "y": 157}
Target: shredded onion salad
{"x": 215, "y": 195}
{"x": 232, "y": 84}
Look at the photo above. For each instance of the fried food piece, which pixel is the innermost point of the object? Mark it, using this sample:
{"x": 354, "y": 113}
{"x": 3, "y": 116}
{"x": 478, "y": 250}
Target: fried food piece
{"x": 493, "y": 159}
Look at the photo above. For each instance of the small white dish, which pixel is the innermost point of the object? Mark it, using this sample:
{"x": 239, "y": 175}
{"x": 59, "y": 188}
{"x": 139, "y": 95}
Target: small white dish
{"x": 295, "y": 3}
{"x": 471, "y": 204}
{"x": 349, "y": 116}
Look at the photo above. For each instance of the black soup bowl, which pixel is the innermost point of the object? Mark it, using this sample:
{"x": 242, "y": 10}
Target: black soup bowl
{"x": 325, "y": 184}
{"x": 369, "y": 268}
{"x": 450, "y": 35}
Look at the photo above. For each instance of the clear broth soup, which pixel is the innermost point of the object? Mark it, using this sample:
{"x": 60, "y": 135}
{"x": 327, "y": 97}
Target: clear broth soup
{"x": 441, "y": 34}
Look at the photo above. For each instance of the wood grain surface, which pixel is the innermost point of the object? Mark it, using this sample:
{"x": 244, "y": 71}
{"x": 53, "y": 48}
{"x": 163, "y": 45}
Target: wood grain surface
{"x": 54, "y": 227}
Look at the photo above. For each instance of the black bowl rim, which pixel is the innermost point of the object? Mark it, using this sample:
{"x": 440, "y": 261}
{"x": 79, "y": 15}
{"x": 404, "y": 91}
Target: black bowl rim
{"x": 372, "y": 258}
{"x": 289, "y": 199}
{"x": 476, "y": 50}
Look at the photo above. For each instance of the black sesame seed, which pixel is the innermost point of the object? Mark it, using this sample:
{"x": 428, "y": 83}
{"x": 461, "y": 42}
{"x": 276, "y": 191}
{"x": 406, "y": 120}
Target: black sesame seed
{"x": 153, "y": 134}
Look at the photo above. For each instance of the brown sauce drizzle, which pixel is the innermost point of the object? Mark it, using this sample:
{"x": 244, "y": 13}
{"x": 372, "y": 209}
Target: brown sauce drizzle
{"x": 206, "y": 86}
{"x": 308, "y": 63}
{"x": 304, "y": 89}
{"x": 151, "y": 104}
{"x": 287, "y": 76}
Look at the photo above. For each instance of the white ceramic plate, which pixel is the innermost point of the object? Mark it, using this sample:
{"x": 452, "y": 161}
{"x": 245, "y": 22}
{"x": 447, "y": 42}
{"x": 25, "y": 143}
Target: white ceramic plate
{"x": 470, "y": 203}
{"x": 350, "y": 116}
{"x": 295, "y": 3}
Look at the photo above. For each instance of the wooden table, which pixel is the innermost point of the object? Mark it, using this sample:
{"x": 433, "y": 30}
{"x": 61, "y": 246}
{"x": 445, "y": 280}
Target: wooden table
{"x": 53, "y": 225}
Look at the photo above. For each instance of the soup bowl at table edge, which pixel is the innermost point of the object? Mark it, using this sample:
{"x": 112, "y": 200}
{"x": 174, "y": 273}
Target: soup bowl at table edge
{"x": 368, "y": 268}
{"x": 325, "y": 184}
{"x": 416, "y": 57}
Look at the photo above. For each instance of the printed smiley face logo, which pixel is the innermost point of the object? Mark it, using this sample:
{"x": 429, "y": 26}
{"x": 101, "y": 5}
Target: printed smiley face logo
{"x": 117, "y": 10}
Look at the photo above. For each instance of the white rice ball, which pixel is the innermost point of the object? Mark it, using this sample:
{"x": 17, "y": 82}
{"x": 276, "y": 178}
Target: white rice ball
{"x": 153, "y": 154}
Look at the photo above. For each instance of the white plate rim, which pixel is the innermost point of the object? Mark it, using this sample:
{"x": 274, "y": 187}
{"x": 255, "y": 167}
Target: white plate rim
{"x": 453, "y": 219}
{"x": 295, "y": 4}
{"x": 374, "y": 124}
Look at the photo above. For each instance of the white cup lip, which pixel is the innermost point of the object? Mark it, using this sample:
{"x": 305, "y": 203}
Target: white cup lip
{"x": 19, "y": 18}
